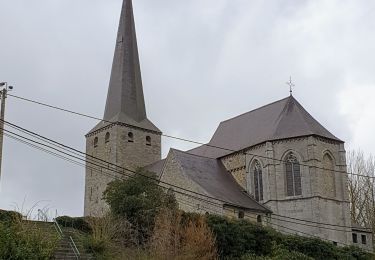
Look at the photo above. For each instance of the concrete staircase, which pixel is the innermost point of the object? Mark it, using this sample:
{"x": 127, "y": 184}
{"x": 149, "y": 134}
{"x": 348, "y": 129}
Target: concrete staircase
{"x": 65, "y": 249}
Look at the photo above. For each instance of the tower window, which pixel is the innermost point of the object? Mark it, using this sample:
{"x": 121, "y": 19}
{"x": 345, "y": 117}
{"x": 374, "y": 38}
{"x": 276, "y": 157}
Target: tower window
{"x": 293, "y": 176}
{"x": 258, "y": 181}
{"x": 107, "y": 136}
{"x": 130, "y": 137}
{"x": 96, "y": 140}
{"x": 355, "y": 238}
{"x": 148, "y": 140}
{"x": 364, "y": 239}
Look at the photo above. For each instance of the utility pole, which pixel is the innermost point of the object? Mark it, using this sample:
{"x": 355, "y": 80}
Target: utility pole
{"x": 3, "y": 94}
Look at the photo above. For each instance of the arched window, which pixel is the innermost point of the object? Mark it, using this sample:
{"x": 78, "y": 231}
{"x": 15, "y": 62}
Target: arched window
{"x": 293, "y": 176}
{"x": 258, "y": 181}
{"x": 328, "y": 180}
{"x": 96, "y": 140}
{"x": 130, "y": 137}
{"x": 107, "y": 136}
{"x": 148, "y": 140}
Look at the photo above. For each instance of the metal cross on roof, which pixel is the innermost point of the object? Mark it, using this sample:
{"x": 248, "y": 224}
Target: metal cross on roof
{"x": 291, "y": 85}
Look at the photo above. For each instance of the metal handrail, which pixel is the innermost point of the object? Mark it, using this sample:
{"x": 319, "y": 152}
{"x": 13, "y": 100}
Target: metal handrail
{"x": 74, "y": 247}
{"x": 71, "y": 242}
{"x": 58, "y": 228}
{"x": 40, "y": 212}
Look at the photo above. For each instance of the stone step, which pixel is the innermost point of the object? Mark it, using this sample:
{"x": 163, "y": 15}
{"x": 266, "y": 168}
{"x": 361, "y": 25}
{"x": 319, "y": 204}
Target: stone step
{"x": 71, "y": 256}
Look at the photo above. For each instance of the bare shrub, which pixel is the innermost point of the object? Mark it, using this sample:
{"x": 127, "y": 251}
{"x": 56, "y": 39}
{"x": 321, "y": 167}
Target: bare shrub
{"x": 174, "y": 238}
{"x": 110, "y": 232}
{"x": 198, "y": 241}
{"x": 362, "y": 188}
{"x": 166, "y": 239}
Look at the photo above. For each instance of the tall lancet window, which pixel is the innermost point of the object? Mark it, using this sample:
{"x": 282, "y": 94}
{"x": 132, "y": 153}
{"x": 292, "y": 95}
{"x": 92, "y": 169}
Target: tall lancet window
{"x": 258, "y": 181}
{"x": 293, "y": 176}
{"x": 328, "y": 180}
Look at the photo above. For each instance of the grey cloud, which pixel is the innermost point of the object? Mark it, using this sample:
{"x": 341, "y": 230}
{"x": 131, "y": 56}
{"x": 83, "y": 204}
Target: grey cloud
{"x": 203, "y": 61}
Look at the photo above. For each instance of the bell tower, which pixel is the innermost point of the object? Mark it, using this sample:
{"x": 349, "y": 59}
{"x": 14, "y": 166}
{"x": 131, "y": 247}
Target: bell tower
{"x": 126, "y": 137}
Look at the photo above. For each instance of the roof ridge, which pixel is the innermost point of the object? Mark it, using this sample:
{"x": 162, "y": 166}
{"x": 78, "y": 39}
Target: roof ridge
{"x": 251, "y": 111}
{"x": 294, "y": 102}
{"x": 196, "y": 155}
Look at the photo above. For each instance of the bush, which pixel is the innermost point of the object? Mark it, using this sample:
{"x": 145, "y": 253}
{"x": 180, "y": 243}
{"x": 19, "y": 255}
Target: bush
{"x": 10, "y": 216}
{"x": 21, "y": 240}
{"x": 236, "y": 238}
{"x": 139, "y": 199}
{"x": 312, "y": 247}
{"x": 353, "y": 252}
{"x": 95, "y": 246}
{"x": 76, "y": 223}
{"x": 241, "y": 239}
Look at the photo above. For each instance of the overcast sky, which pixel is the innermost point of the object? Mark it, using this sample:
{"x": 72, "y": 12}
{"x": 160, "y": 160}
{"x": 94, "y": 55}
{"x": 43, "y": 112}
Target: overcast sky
{"x": 203, "y": 61}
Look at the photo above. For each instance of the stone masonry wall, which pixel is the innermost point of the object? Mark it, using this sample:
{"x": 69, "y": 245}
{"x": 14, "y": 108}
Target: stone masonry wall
{"x": 316, "y": 203}
{"x": 173, "y": 174}
{"x": 118, "y": 150}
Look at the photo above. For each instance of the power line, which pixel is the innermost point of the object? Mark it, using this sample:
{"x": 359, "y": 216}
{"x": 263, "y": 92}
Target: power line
{"x": 129, "y": 175}
{"x": 188, "y": 195}
{"x": 123, "y": 168}
{"x": 104, "y": 166}
{"x": 314, "y": 222}
{"x": 180, "y": 187}
{"x": 180, "y": 201}
{"x": 184, "y": 139}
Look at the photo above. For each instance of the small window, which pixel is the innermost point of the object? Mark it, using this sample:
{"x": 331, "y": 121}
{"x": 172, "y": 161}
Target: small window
{"x": 148, "y": 140}
{"x": 241, "y": 214}
{"x": 259, "y": 219}
{"x": 96, "y": 139}
{"x": 364, "y": 239}
{"x": 107, "y": 136}
{"x": 130, "y": 137}
{"x": 334, "y": 243}
{"x": 355, "y": 238}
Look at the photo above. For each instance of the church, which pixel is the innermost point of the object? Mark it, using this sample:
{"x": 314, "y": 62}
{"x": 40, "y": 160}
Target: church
{"x": 275, "y": 165}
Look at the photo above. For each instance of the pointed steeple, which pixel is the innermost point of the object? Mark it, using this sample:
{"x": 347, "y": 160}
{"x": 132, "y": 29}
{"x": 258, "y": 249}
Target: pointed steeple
{"x": 125, "y": 100}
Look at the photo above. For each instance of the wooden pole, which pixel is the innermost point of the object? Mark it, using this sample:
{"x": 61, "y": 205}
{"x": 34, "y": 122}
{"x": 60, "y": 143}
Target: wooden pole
{"x": 3, "y": 94}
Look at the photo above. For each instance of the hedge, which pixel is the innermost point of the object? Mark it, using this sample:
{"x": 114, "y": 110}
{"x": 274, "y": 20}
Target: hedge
{"x": 239, "y": 239}
{"x": 76, "y": 223}
{"x": 9, "y": 216}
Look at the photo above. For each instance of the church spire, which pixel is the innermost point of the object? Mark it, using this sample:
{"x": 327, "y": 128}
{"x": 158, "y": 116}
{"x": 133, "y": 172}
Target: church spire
{"x": 125, "y": 100}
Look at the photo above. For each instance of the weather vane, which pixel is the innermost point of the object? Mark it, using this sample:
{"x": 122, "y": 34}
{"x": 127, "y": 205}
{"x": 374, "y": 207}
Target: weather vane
{"x": 291, "y": 85}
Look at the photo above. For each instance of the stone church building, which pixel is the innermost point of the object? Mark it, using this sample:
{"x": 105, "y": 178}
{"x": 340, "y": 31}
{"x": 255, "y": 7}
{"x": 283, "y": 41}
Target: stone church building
{"x": 276, "y": 165}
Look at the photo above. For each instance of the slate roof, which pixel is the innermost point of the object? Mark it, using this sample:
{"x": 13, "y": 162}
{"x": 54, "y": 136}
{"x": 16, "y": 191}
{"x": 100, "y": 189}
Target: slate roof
{"x": 125, "y": 99}
{"x": 156, "y": 167}
{"x": 211, "y": 176}
{"x": 282, "y": 119}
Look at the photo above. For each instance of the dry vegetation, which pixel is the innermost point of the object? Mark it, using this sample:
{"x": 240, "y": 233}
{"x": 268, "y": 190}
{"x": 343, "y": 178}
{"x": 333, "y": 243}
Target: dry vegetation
{"x": 362, "y": 189}
{"x": 176, "y": 238}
